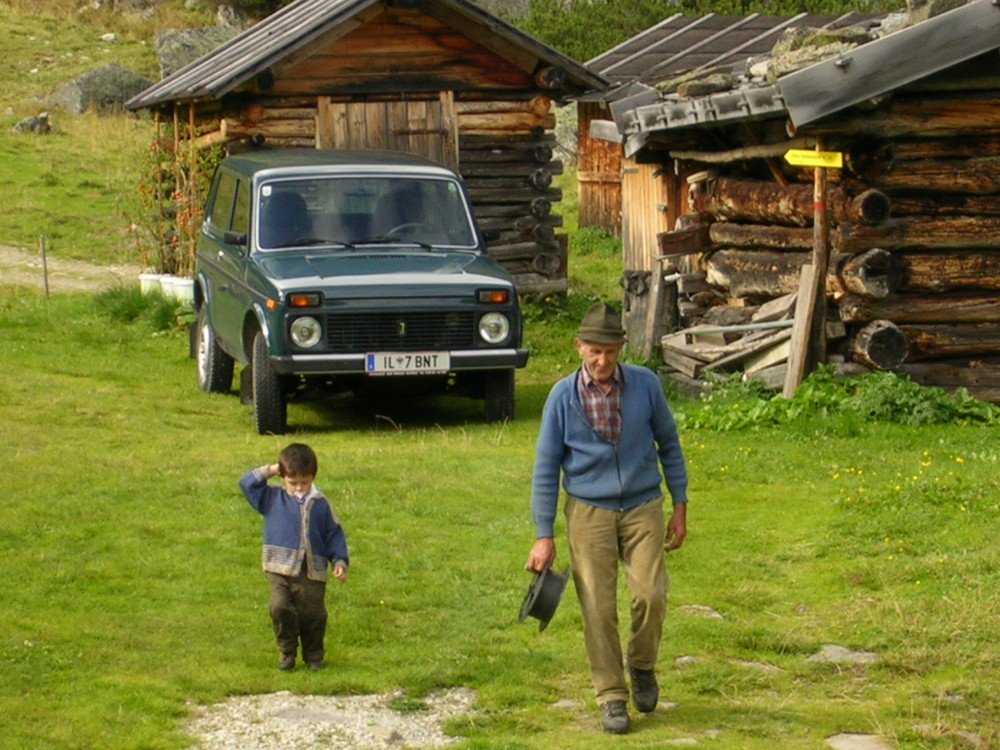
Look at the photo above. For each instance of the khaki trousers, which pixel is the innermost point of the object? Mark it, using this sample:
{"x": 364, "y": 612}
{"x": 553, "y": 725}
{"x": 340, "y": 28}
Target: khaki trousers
{"x": 598, "y": 539}
{"x": 298, "y": 612}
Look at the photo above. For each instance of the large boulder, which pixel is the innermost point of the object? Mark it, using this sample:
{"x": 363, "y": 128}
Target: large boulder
{"x": 175, "y": 48}
{"x": 103, "y": 89}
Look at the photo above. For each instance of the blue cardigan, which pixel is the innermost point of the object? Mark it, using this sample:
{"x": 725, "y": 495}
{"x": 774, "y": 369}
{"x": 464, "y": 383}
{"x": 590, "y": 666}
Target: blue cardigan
{"x": 293, "y": 530}
{"x": 596, "y": 471}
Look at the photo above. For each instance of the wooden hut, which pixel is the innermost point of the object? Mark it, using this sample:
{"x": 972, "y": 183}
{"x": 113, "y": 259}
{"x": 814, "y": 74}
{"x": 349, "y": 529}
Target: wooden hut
{"x": 713, "y": 45}
{"x": 890, "y": 260}
{"x": 442, "y": 78}
{"x": 627, "y": 195}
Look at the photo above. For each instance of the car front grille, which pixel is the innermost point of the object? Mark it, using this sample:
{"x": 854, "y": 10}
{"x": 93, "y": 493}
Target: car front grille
{"x": 400, "y": 331}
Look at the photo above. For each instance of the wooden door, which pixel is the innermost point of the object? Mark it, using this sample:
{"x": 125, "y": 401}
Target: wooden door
{"x": 427, "y": 127}
{"x": 644, "y": 216}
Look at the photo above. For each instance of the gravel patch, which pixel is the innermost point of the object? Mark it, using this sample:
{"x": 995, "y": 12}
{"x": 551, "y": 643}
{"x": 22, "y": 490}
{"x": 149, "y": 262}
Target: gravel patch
{"x": 25, "y": 268}
{"x": 285, "y": 721}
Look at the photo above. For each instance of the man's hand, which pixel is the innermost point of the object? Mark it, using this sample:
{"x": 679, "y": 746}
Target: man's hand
{"x": 676, "y": 527}
{"x": 543, "y": 554}
{"x": 340, "y": 573}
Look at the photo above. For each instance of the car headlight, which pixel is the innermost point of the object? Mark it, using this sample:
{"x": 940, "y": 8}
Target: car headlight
{"x": 306, "y": 332}
{"x": 494, "y": 327}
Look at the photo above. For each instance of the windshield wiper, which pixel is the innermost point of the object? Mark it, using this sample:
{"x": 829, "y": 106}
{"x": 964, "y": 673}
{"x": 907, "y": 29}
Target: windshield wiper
{"x": 307, "y": 241}
{"x": 391, "y": 240}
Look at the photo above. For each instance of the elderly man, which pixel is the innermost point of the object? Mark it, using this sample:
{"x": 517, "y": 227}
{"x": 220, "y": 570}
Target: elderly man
{"x": 607, "y": 430}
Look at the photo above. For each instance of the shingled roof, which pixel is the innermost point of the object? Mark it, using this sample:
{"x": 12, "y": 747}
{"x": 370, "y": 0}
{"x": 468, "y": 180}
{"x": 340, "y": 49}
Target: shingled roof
{"x": 685, "y": 43}
{"x": 848, "y": 76}
{"x": 293, "y": 28}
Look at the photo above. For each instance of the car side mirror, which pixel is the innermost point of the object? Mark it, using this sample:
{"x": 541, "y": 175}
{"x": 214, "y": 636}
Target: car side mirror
{"x": 235, "y": 238}
{"x": 491, "y": 235}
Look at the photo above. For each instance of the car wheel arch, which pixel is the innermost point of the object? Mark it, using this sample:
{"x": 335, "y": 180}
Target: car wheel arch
{"x": 252, "y": 323}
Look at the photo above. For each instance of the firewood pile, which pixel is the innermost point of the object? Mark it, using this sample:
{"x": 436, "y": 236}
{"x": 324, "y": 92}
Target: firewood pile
{"x": 913, "y": 281}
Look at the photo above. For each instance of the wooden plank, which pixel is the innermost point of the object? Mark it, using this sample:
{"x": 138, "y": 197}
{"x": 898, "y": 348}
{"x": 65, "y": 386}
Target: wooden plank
{"x": 770, "y": 356}
{"x": 449, "y": 124}
{"x": 376, "y": 125}
{"x": 775, "y": 309}
{"x": 804, "y": 308}
{"x": 685, "y": 241}
{"x": 745, "y": 352}
{"x": 331, "y": 128}
{"x": 682, "y": 363}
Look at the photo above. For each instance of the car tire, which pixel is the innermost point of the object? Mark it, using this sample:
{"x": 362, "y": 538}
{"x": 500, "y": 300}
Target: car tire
{"x": 215, "y": 367}
{"x": 499, "y": 395}
{"x": 270, "y": 409}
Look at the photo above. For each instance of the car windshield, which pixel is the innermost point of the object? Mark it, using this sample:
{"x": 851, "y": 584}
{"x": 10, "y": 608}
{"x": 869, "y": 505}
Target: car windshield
{"x": 351, "y": 211}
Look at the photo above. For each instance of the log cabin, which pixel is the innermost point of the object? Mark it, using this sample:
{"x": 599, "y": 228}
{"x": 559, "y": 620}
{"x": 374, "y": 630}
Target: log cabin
{"x": 441, "y": 78}
{"x": 850, "y": 180}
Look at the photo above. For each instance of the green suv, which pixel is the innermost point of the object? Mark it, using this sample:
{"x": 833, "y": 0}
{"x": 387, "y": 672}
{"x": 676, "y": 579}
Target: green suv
{"x": 349, "y": 271}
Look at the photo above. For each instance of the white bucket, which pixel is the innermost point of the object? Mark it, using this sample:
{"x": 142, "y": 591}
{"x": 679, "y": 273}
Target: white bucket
{"x": 149, "y": 282}
{"x": 183, "y": 289}
{"x": 167, "y": 284}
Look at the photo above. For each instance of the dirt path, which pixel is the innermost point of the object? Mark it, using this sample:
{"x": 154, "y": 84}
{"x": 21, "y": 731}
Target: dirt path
{"x": 23, "y": 268}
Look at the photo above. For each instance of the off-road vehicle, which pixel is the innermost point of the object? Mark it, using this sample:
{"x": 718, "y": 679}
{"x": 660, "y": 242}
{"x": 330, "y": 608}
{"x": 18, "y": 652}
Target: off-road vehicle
{"x": 349, "y": 271}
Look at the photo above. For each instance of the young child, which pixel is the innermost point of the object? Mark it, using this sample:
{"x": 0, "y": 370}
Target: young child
{"x": 301, "y": 536}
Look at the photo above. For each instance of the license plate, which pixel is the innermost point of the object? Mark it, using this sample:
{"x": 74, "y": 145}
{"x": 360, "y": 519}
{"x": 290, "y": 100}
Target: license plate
{"x": 407, "y": 363}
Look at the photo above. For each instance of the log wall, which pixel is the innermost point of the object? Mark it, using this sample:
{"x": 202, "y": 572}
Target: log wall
{"x": 914, "y": 278}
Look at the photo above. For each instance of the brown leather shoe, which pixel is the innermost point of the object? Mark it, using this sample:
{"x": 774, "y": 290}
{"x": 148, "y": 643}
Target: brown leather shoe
{"x": 614, "y": 717}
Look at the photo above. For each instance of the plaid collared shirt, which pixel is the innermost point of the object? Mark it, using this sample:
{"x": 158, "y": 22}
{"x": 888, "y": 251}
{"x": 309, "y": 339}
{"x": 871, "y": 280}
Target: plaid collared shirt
{"x": 602, "y": 405}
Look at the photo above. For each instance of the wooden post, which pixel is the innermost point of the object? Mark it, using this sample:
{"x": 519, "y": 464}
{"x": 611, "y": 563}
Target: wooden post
{"x": 654, "y": 314}
{"x": 43, "y": 244}
{"x": 808, "y": 345}
{"x": 821, "y": 261}
{"x": 803, "y": 321}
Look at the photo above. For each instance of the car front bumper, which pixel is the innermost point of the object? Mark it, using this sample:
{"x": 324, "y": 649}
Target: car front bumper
{"x": 344, "y": 364}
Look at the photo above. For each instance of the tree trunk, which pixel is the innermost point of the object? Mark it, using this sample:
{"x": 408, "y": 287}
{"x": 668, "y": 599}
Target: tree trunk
{"x": 948, "y": 341}
{"x": 926, "y": 116}
{"x": 932, "y": 206}
{"x": 980, "y": 379}
{"x": 880, "y": 344}
{"x": 944, "y": 272}
{"x": 745, "y": 273}
{"x": 768, "y": 202}
{"x": 758, "y": 235}
{"x": 935, "y": 308}
{"x": 918, "y": 232}
{"x": 978, "y": 176}
{"x": 539, "y": 208}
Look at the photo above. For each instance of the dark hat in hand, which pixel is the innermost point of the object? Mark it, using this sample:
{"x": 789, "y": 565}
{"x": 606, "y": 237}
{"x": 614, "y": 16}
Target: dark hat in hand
{"x": 601, "y": 325}
{"x": 543, "y": 596}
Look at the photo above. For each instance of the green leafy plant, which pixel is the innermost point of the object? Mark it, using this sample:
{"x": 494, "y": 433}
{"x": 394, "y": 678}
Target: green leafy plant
{"x": 161, "y": 314}
{"x": 734, "y": 403}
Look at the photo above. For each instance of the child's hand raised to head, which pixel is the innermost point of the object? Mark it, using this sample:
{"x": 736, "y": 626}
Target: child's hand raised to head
{"x": 340, "y": 573}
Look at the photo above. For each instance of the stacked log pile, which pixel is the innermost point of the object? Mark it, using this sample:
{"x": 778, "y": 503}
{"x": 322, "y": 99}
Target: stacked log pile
{"x": 914, "y": 275}
{"x": 509, "y": 175}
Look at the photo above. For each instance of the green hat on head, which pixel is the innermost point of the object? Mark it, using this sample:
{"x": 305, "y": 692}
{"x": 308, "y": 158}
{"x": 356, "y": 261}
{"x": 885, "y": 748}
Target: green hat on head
{"x": 601, "y": 325}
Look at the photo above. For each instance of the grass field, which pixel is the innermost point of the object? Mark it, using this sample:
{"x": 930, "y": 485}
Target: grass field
{"x": 133, "y": 587}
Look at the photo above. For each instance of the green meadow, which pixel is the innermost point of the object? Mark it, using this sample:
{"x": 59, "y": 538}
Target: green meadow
{"x": 133, "y": 589}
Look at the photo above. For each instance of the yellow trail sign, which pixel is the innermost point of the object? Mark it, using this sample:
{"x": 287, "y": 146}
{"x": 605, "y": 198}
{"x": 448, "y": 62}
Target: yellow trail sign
{"x": 804, "y": 158}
